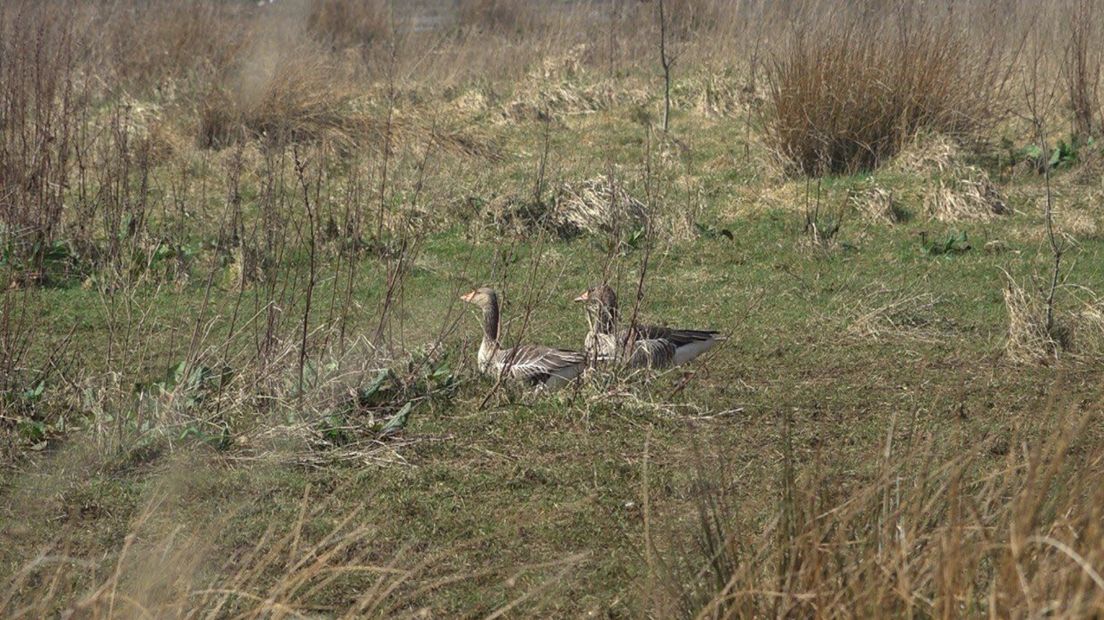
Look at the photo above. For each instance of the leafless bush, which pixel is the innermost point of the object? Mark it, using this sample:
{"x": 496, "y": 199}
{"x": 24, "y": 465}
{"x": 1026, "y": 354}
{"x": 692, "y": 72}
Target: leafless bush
{"x": 296, "y": 96}
{"x": 40, "y": 105}
{"x": 848, "y": 89}
{"x": 349, "y": 23}
{"x": 1081, "y": 66}
{"x": 509, "y": 17}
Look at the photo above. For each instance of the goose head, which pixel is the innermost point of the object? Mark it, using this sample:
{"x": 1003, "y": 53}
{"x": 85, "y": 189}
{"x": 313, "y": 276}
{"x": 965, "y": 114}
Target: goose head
{"x": 486, "y": 299}
{"x": 483, "y": 297}
{"x": 601, "y": 307}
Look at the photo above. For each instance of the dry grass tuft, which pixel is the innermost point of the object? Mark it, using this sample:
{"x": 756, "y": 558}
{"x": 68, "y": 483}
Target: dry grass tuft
{"x": 1078, "y": 223}
{"x": 1077, "y": 334}
{"x": 558, "y": 87}
{"x": 1010, "y": 525}
{"x": 930, "y": 154}
{"x": 969, "y": 197}
{"x": 168, "y": 566}
{"x": 723, "y": 95}
{"x": 878, "y": 204}
{"x": 1029, "y": 340}
{"x": 901, "y": 315}
{"x": 954, "y": 190}
{"x": 598, "y": 207}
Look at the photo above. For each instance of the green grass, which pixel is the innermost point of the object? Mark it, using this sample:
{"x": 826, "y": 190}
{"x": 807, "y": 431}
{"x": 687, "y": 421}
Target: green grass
{"x": 501, "y": 495}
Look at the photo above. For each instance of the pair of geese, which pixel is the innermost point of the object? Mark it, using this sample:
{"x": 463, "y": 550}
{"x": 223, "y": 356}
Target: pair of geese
{"x": 641, "y": 346}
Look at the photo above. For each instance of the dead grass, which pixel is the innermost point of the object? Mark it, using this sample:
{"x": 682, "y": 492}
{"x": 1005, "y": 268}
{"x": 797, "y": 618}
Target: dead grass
{"x": 969, "y": 197}
{"x": 893, "y": 314}
{"x": 167, "y": 567}
{"x": 502, "y": 17}
{"x": 954, "y": 190}
{"x": 156, "y": 44}
{"x": 195, "y": 330}
{"x": 1010, "y": 526}
{"x": 878, "y": 204}
{"x": 1029, "y": 339}
{"x": 724, "y": 95}
{"x": 561, "y": 86}
{"x": 597, "y": 207}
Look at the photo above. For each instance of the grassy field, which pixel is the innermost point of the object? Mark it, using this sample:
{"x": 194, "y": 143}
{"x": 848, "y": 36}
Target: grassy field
{"x": 239, "y": 382}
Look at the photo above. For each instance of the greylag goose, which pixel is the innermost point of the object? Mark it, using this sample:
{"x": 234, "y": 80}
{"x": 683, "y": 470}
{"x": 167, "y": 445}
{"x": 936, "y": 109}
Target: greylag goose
{"x": 534, "y": 364}
{"x": 644, "y": 345}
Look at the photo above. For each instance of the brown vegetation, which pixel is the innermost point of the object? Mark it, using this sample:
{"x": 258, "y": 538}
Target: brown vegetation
{"x": 849, "y": 88}
{"x": 278, "y": 164}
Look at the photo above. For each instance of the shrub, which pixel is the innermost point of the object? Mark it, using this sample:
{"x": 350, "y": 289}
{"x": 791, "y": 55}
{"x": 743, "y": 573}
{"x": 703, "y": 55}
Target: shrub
{"x": 299, "y": 96}
{"x": 39, "y": 101}
{"x": 847, "y": 91}
{"x": 1081, "y": 67}
{"x": 349, "y": 23}
{"x": 498, "y": 16}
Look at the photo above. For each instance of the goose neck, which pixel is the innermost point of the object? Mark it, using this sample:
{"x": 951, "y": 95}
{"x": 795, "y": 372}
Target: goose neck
{"x": 491, "y": 321}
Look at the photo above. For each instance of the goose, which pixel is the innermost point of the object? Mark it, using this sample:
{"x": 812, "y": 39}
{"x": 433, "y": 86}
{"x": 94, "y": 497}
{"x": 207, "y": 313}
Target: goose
{"x": 644, "y": 346}
{"x": 534, "y": 364}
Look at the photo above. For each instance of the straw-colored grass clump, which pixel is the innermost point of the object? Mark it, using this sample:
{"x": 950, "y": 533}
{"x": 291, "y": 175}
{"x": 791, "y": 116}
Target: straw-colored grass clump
{"x": 1076, "y": 333}
{"x": 951, "y": 189}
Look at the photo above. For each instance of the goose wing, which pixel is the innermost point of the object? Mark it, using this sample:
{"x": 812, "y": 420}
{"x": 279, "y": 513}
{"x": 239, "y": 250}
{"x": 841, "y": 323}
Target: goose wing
{"x": 537, "y": 364}
{"x": 658, "y": 347}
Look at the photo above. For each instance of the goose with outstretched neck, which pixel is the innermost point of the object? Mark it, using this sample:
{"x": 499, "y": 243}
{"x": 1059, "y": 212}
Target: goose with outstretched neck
{"x": 533, "y": 364}
{"x": 641, "y": 346}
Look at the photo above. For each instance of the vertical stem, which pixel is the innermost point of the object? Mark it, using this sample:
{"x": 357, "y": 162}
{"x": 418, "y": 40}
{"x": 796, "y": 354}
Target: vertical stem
{"x": 665, "y": 61}
{"x": 1048, "y": 213}
{"x": 300, "y": 170}
{"x": 387, "y": 138}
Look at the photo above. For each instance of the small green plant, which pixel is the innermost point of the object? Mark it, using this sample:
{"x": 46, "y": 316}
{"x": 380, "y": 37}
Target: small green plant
{"x": 709, "y": 231}
{"x": 954, "y": 243}
{"x": 220, "y": 440}
{"x": 1066, "y": 154}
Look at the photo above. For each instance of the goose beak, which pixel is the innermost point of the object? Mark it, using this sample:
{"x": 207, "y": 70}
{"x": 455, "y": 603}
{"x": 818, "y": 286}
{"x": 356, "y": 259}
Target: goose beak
{"x": 585, "y": 296}
{"x": 468, "y": 297}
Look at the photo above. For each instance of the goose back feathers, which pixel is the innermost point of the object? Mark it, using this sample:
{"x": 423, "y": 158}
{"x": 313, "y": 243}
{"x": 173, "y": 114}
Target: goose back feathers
{"x": 641, "y": 346}
{"x": 533, "y": 364}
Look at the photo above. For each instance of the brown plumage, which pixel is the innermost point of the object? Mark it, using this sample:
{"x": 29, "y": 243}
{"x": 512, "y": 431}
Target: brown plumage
{"x": 533, "y": 364}
{"x": 642, "y": 346}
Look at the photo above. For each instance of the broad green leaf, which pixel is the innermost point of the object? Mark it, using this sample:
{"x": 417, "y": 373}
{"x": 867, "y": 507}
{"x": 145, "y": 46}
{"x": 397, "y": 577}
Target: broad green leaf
{"x": 398, "y": 421}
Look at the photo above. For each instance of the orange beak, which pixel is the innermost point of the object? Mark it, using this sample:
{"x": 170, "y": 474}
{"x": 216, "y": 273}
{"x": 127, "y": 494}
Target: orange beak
{"x": 585, "y": 296}
{"x": 468, "y": 297}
